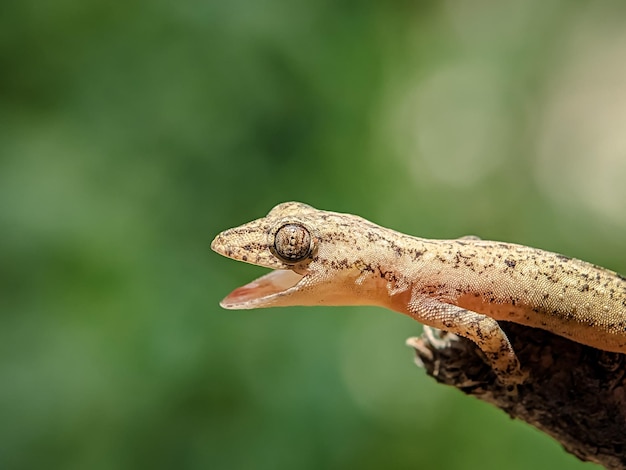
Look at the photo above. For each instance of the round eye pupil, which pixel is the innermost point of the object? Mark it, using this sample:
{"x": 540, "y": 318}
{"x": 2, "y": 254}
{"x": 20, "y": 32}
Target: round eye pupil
{"x": 292, "y": 243}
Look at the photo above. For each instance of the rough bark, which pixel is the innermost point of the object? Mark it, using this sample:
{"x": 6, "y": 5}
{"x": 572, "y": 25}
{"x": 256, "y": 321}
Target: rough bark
{"x": 574, "y": 393}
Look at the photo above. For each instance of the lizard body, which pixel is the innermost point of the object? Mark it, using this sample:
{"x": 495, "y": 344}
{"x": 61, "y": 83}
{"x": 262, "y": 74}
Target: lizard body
{"x": 463, "y": 286}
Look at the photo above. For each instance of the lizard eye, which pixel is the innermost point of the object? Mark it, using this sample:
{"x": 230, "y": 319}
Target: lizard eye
{"x": 292, "y": 243}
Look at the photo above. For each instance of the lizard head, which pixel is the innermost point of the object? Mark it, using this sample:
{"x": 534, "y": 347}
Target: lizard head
{"x": 315, "y": 256}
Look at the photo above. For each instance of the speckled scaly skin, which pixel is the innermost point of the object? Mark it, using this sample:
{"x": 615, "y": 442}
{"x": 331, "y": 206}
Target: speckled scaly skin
{"x": 463, "y": 286}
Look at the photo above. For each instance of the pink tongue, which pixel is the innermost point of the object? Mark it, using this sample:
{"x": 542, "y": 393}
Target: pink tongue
{"x": 271, "y": 283}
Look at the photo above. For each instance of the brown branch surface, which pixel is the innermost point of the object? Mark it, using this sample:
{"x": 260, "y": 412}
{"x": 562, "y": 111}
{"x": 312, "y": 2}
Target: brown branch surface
{"x": 574, "y": 393}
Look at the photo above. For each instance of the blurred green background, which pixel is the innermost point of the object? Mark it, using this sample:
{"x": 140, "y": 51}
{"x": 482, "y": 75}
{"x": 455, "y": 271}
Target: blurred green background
{"x": 131, "y": 133}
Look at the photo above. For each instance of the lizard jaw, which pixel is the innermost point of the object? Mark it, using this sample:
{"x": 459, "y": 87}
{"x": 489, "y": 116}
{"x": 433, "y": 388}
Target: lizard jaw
{"x": 264, "y": 291}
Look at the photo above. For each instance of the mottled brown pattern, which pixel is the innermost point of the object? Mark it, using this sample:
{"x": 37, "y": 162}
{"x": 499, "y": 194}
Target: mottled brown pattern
{"x": 463, "y": 286}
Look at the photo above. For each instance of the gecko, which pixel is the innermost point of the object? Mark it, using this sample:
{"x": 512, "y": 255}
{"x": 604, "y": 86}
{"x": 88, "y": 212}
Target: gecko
{"x": 464, "y": 286}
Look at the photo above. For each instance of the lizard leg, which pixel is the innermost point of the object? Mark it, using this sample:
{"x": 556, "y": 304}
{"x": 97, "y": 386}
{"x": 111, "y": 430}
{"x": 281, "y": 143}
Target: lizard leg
{"x": 479, "y": 328}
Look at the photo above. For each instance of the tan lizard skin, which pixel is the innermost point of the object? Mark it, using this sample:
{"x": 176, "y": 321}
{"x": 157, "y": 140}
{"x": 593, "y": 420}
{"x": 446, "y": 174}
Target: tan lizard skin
{"x": 463, "y": 286}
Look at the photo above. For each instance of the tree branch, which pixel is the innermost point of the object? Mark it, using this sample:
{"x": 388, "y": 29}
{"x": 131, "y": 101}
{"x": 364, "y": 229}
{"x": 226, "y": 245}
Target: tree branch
{"x": 574, "y": 393}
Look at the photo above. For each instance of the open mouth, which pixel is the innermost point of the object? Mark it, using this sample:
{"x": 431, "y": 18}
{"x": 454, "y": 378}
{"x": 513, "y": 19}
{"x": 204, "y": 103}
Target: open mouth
{"x": 264, "y": 291}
